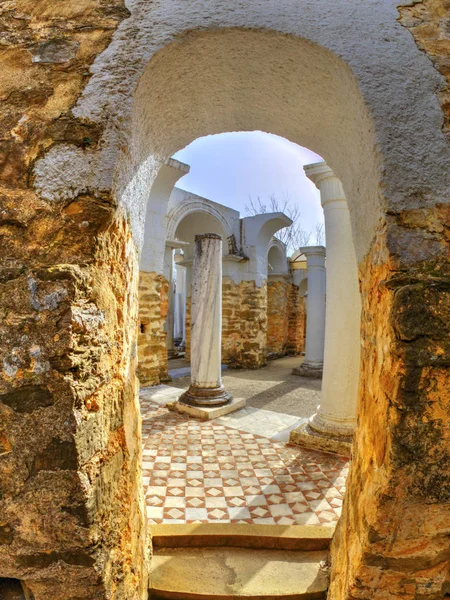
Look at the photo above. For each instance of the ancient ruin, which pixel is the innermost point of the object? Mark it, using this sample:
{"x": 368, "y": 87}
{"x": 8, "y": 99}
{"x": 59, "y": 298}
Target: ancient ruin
{"x": 97, "y": 97}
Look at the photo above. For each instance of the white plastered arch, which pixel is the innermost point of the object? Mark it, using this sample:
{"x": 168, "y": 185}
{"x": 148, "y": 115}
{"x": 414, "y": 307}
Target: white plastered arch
{"x": 179, "y": 212}
{"x": 280, "y": 263}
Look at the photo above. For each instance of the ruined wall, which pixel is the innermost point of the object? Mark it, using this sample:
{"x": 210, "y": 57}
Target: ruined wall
{"x": 249, "y": 351}
{"x": 285, "y": 319}
{"x": 429, "y": 23}
{"x": 244, "y": 324}
{"x": 152, "y": 351}
{"x": 72, "y": 521}
{"x": 296, "y": 321}
{"x": 277, "y": 318}
{"x": 392, "y": 540}
{"x": 231, "y": 320}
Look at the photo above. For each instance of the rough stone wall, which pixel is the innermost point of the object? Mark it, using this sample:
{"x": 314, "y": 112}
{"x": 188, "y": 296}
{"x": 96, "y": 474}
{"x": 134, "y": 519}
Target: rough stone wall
{"x": 277, "y": 318}
{"x": 72, "y": 522}
{"x": 152, "y": 351}
{"x": 392, "y": 540}
{"x": 285, "y": 319}
{"x": 244, "y": 324}
{"x": 296, "y": 321}
{"x": 231, "y": 320}
{"x": 429, "y": 23}
{"x": 251, "y": 352}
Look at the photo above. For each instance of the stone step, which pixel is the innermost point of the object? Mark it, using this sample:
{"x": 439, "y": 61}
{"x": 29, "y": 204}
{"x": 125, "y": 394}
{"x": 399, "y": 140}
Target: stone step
{"x": 230, "y": 573}
{"x": 242, "y": 535}
{"x": 223, "y": 561}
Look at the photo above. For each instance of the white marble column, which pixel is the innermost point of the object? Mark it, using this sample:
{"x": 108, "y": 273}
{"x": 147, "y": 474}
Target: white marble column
{"x": 336, "y": 414}
{"x": 179, "y": 308}
{"x": 169, "y": 324}
{"x": 206, "y": 387}
{"x": 315, "y": 316}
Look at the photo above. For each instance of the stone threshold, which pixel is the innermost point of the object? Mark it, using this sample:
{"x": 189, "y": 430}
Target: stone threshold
{"x": 238, "y": 535}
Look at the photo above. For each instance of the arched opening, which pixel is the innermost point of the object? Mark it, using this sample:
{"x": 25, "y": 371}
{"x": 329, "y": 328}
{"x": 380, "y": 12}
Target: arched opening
{"x": 362, "y": 119}
{"x": 273, "y": 72}
{"x": 276, "y": 258}
{"x": 196, "y": 223}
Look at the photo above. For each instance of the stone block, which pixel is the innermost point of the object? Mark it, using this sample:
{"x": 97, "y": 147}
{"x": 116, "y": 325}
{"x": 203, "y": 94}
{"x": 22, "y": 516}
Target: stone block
{"x": 305, "y": 436}
{"x": 207, "y": 414}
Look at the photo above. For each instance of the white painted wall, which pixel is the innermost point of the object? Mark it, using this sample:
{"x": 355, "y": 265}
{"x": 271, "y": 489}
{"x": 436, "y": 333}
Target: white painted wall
{"x": 341, "y": 77}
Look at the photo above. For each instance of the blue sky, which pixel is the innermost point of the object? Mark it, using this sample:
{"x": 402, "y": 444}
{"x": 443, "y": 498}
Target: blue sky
{"x": 229, "y": 167}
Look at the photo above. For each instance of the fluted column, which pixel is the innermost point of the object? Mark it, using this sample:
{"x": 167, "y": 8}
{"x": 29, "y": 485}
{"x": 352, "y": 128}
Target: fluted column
{"x": 206, "y": 387}
{"x": 315, "y": 316}
{"x": 336, "y": 414}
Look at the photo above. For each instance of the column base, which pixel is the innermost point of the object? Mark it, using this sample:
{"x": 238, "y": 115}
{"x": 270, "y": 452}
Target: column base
{"x": 327, "y": 425}
{"x": 311, "y": 370}
{"x": 306, "y": 436}
{"x": 196, "y": 396}
{"x": 207, "y": 413}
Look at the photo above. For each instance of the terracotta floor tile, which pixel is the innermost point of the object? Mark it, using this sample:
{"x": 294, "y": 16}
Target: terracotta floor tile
{"x": 196, "y": 472}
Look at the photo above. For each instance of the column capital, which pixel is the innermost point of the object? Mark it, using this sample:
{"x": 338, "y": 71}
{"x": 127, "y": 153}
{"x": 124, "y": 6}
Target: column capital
{"x": 325, "y": 180}
{"x": 315, "y": 257}
{"x": 313, "y": 250}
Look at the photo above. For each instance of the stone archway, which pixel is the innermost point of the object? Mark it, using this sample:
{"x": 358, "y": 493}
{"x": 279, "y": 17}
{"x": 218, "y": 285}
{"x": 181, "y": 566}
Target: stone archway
{"x": 181, "y": 211}
{"x": 362, "y": 97}
{"x": 185, "y": 221}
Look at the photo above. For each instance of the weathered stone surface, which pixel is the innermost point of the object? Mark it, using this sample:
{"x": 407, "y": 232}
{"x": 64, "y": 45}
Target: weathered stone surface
{"x": 277, "y": 317}
{"x": 69, "y": 268}
{"x": 28, "y": 399}
{"x": 54, "y": 51}
{"x": 152, "y": 349}
{"x": 305, "y": 436}
{"x": 72, "y": 484}
{"x": 285, "y": 319}
{"x": 392, "y": 539}
{"x": 72, "y": 523}
{"x": 244, "y": 329}
{"x": 244, "y": 324}
{"x": 238, "y": 573}
{"x": 428, "y": 21}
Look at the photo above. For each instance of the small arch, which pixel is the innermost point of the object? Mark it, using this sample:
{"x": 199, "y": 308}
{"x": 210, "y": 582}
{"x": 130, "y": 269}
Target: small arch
{"x": 181, "y": 211}
{"x": 276, "y": 257}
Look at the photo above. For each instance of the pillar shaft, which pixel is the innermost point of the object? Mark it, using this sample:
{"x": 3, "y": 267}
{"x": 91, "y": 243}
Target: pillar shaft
{"x": 168, "y": 270}
{"x": 206, "y": 387}
{"x": 180, "y": 302}
{"x": 315, "y": 315}
{"x": 336, "y": 414}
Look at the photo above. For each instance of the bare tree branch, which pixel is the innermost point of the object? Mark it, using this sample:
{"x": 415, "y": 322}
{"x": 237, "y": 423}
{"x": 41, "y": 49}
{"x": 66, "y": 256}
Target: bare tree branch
{"x": 319, "y": 233}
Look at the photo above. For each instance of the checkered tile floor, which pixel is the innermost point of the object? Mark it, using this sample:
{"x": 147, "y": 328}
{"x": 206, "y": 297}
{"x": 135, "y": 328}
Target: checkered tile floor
{"x": 205, "y": 472}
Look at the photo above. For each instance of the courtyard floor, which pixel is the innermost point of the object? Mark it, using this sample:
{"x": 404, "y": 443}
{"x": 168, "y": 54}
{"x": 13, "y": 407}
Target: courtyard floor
{"x": 238, "y": 468}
